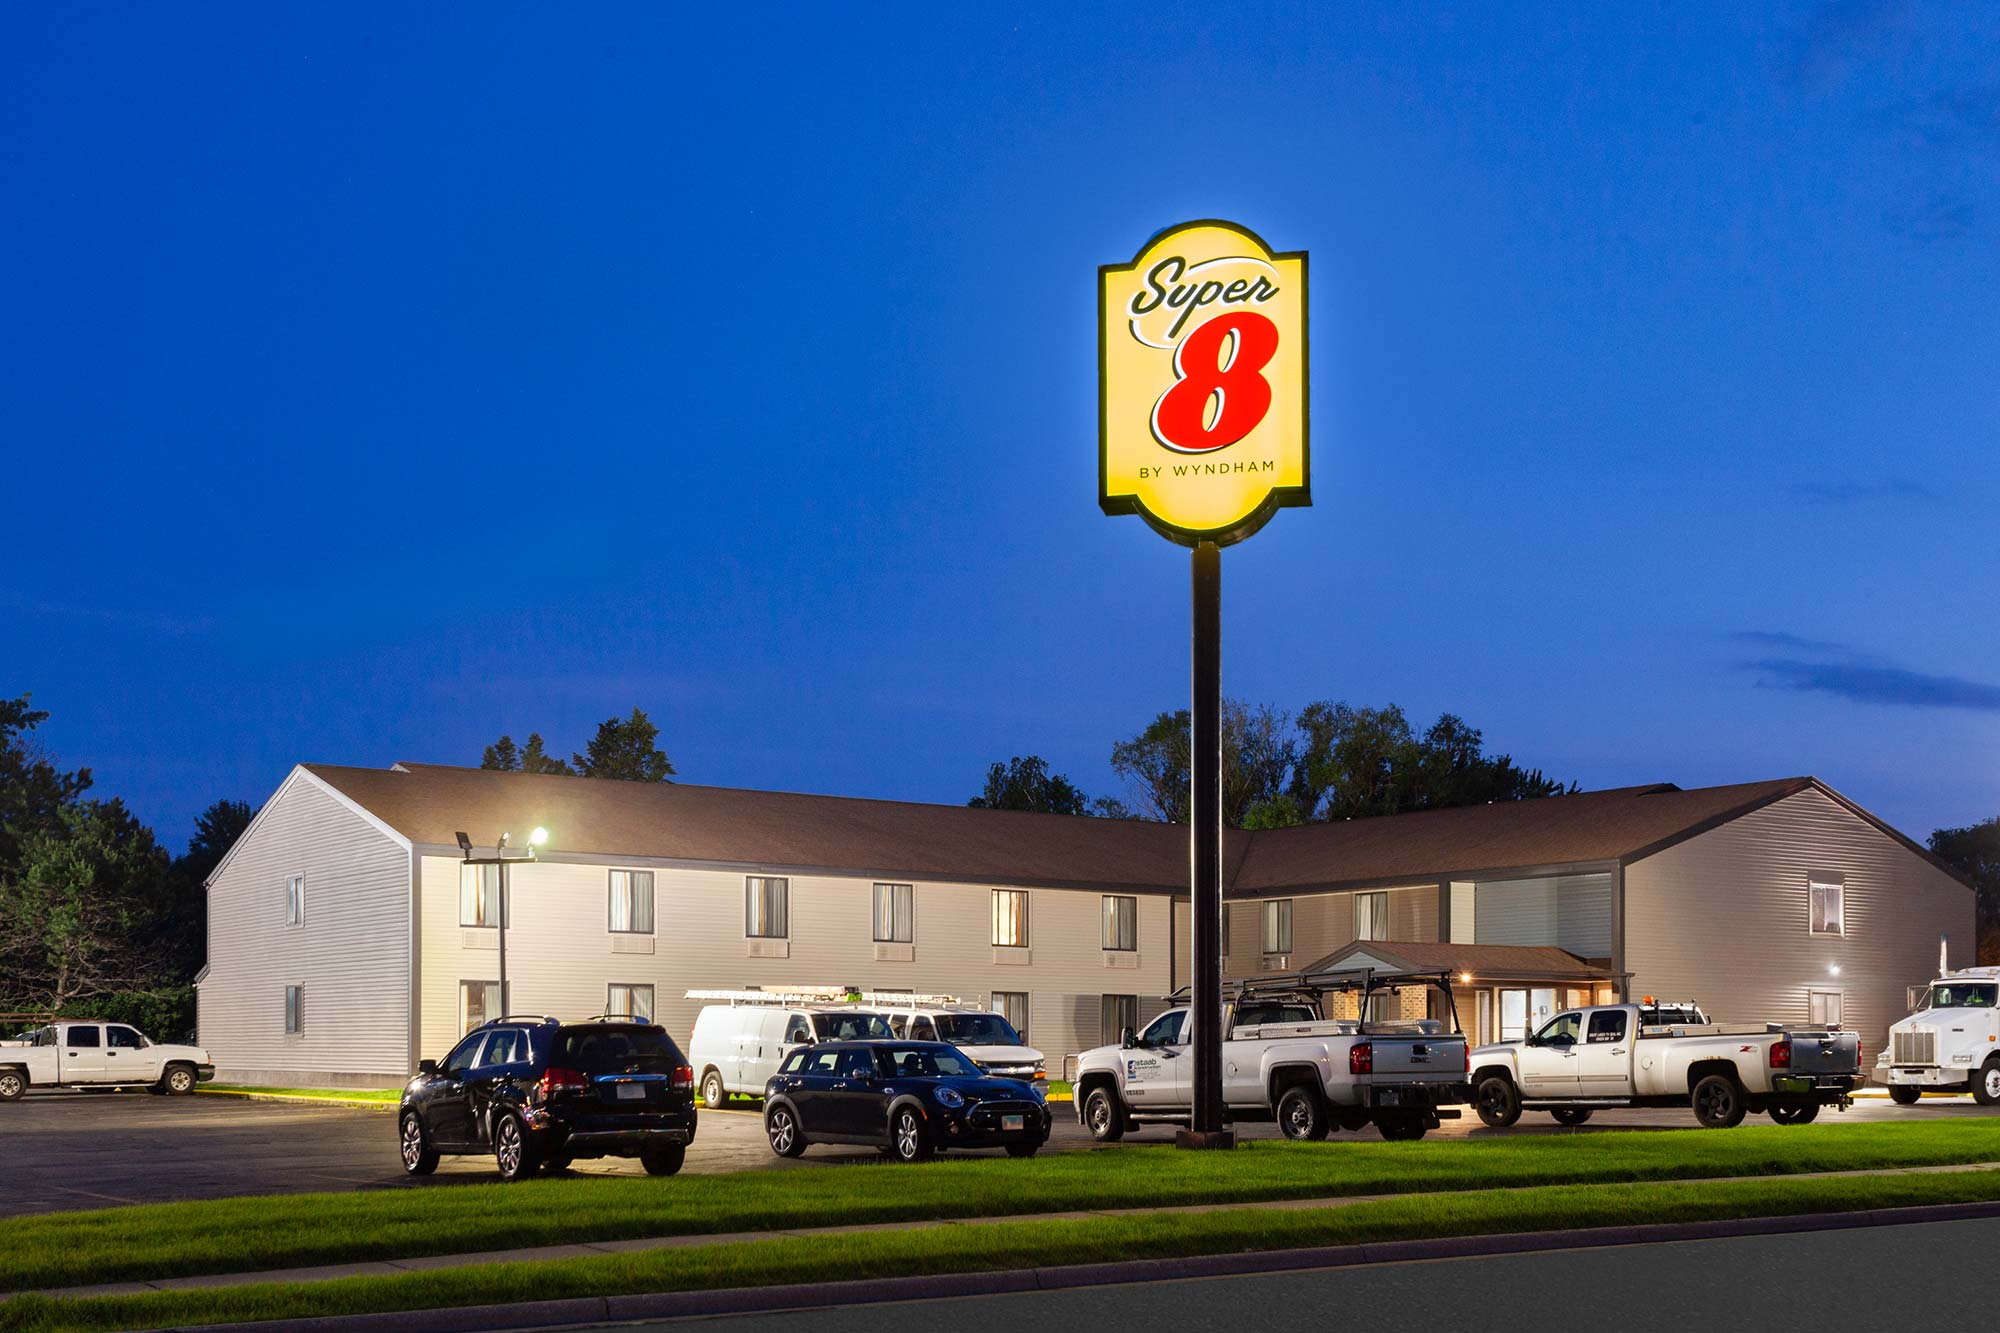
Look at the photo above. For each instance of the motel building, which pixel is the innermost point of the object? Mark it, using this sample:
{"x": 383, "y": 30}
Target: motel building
{"x": 347, "y": 941}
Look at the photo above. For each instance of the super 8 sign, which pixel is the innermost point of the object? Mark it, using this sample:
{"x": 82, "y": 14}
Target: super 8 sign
{"x": 1202, "y": 383}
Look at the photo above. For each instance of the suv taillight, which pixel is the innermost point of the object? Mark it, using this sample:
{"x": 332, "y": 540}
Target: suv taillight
{"x": 683, "y": 1078}
{"x": 1781, "y": 1055}
{"x": 560, "y": 1080}
{"x": 1361, "y": 1058}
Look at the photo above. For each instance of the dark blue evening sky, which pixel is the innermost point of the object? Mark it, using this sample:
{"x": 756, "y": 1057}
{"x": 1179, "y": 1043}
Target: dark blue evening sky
{"x": 377, "y": 380}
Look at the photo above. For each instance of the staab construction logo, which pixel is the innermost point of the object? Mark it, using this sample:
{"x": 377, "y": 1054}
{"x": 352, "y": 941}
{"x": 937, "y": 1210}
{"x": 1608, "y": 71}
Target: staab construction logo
{"x": 1202, "y": 383}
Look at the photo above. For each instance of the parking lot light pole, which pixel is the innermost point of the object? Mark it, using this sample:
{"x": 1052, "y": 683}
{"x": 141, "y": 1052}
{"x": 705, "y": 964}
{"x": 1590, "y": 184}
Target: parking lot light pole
{"x": 538, "y": 838}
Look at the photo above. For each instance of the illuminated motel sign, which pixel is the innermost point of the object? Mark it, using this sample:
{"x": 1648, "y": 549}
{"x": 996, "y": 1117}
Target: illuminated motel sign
{"x": 1201, "y": 344}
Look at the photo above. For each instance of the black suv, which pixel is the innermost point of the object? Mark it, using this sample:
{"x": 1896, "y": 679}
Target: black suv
{"x": 536, "y": 1092}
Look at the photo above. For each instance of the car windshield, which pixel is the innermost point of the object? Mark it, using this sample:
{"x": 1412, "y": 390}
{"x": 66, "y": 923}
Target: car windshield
{"x": 851, "y": 1027}
{"x": 924, "y": 1062}
{"x": 1964, "y": 995}
{"x": 617, "y": 1050}
{"x": 977, "y": 1030}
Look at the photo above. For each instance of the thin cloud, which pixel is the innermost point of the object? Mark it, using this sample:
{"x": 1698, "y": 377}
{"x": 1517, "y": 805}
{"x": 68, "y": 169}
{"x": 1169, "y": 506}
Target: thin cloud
{"x": 1876, "y": 684}
{"x": 1771, "y": 638}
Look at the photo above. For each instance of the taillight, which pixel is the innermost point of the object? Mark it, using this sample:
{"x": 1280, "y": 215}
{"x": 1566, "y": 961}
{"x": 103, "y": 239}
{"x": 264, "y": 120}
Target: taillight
{"x": 560, "y": 1080}
{"x": 1467, "y": 1048}
{"x": 1361, "y": 1058}
{"x": 1781, "y": 1055}
{"x": 683, "y": 1078}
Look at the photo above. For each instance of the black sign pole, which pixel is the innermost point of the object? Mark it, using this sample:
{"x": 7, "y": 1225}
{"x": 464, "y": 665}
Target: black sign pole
{"x": 1205, "y": 854}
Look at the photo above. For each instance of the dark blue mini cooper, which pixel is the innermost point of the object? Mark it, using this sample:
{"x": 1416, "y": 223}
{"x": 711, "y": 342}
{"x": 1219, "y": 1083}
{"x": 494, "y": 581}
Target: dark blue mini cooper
{"x": 908, "y": 1098}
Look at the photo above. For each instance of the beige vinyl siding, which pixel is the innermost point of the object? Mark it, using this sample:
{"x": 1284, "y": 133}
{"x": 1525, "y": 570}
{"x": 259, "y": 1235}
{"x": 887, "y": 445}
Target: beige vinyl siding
{"x": 1722, "y": 918}
{"x": 1572, "y": 912}
{"x": 351, "y": 955}
{"x": 1321, "y": 923}
{"x": 560, "y": 956}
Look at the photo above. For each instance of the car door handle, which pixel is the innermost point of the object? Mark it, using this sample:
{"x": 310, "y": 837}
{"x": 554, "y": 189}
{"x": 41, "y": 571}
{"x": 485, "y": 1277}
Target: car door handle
{"x": 1618, "y": 1050}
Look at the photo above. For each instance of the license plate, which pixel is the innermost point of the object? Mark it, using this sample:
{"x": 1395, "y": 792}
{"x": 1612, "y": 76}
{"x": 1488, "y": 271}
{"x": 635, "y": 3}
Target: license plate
{"x": 631, "y": 1092}
{"x": 1013, "y": 1122}
{"x": 1388, "y": 1097}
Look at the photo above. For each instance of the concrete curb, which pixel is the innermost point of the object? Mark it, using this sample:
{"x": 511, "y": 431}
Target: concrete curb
{"x": 812, "y": 1296}
{"x": 284, "y": 1100}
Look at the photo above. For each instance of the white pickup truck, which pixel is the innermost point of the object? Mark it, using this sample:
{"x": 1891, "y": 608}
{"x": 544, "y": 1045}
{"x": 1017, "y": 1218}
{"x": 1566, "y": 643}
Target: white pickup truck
{"x": 1616, "y": 1055}
{"x": 1281, "y": 1060}
{"x": 99, "y": 1055}
{"x": 1952, "y": 1042}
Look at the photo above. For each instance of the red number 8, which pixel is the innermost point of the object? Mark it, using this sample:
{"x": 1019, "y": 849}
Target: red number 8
{"x": 1241, "y": 393}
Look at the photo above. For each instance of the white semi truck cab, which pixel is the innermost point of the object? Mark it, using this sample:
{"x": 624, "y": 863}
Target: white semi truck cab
{"x": 1951, "y": 1043}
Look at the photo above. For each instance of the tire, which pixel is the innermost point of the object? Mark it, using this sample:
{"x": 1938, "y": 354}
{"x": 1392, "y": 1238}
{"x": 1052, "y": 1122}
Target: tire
{"x": 1986, "y": 1084}
{"x": 1404, "y": 1128}
{"x": 1905, "y": 1094}
{"x": 1572, "y": 1116}
{"x": 13, "y": 1084}
{"x": 1023, "y": 1149}
{"x": 1103, "y": 1115}
{"x": 666, "y": 1160}
{"x": 1302, "y": 1115}
{"x": 178, "y": 1081}
{"x": 782, "y": 1128}
{"x": 419, "y": 1157}
{"x": 1718, "y": 1102}
{"x": 1498, "y": 1101}
{"x": 908, "y": 1141}
{"x": 712, "y": 1091}
{"x": 513, "y": 1152}
{"x": 1794, "y": 1113}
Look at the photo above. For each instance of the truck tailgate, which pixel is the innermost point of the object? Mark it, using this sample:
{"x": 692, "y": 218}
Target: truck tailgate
{"x": 1423, "y": 1059}
{"x": 1825, "y": 1052}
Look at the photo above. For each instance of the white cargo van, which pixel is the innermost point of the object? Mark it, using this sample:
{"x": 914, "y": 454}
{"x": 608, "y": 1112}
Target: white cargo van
{"x": 741, "y": 1037}
{"x": 987, "y": 1037}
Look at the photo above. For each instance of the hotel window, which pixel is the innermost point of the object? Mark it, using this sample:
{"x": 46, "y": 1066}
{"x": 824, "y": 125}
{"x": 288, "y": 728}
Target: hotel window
{"x": 632, "y": 902}
{"x": 1010, "y": 918}
{"x": 478, "y": 1002}
{"x": 1012, "y": 1005}
{"x": 1116, "y": 1013}
{"x": 295, "y": 900}
{"x": 1121, "y": 923}
{"x": 1371, "y": 916}
{"x": 295, "y": 1010}
{"x": 1823, "y": 1008}
{"x": 1278, "y": 926}
{"x": 634, "y": 1000}
{"x": 479, "y": 895}
{"x": 1828, "y": 917}
{"x": 767, "y": 908}
{"x": 895, "y": 913}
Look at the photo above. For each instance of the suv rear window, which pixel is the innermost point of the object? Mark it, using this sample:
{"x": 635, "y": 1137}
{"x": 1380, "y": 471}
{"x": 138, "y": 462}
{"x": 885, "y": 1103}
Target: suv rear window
{"x": 606, "y": 1049}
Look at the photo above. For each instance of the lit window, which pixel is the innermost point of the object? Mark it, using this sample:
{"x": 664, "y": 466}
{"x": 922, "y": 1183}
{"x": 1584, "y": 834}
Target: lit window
{"x": 478, "y": 895}
{"x": 1828, "y": 917}
{"x": 632, "y": 902}
{"x": 629, "y": 1001}
{"x": 478, "y": 1002}
{"x": 1121, "y": 923}
{"x": 1010, "y": 918}
{"x": 895, "y": 913}
{"x": 295, "y": 901}
{"x": 1371, "y": 916}
{"x": 1117, "y": 1015}
{"x": 1278, "y": 926}
{"x": 1012, "y": 1005}
{"x": 767, "y": 908}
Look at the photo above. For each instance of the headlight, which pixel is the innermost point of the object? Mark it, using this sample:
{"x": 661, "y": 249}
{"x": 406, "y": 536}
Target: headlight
{"x": 951, "y": 1097}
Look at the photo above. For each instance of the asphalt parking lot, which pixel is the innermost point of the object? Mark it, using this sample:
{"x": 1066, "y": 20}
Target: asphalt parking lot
{"x": 69, "y": 1150}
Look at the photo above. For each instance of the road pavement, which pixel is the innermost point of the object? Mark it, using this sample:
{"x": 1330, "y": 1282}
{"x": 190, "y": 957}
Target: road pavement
{"x": 69, "y": 1150}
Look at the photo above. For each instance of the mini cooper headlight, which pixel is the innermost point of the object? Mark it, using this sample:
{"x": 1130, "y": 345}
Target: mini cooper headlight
{"x": 951, "y": 1097}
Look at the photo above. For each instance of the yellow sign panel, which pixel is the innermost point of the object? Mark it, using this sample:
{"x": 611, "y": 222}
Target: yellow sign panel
{"x": 1201, "y": 345}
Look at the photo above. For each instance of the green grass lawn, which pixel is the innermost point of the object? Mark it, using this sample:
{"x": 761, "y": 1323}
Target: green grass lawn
{"x": 1005, "y": 1245}
{"x": 385, "y": 1095}
{"x": 233, "y": 1235}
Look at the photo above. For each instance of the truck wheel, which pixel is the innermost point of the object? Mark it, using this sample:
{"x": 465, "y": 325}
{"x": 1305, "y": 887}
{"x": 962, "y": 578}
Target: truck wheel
{"x": 665, "y": 1160}
{"x": 1905, "y": 1094}
{"x": 419, "y": 1157}
{"x": 1302, "y": 1115}
{"x": 1401, "y": 1128}
{"x": 178, "y": 1081}
{"x": 1498, "y": 1101}
{"x": 1103, "y": 1116}
{"x": 12, "y": 1085}
{"x": 512, "y": 1152}
{"x": 1986, "y": 1084}
{"x": 1794, "y": 1113}
{"x": 712, "y": 1091}
{"x": 1571, "y": 1116}
{"x": 1718, "y": 1102}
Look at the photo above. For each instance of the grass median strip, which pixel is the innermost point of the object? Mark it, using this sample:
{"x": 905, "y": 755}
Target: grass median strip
{"x": 1008, "y": 1245}
{"x": 239, "y": 1235}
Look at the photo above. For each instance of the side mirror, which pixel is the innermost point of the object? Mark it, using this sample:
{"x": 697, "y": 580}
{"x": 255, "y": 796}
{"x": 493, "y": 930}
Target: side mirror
{"x": 1127, "y": 1039}
{"x": 427, "y": 1067}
